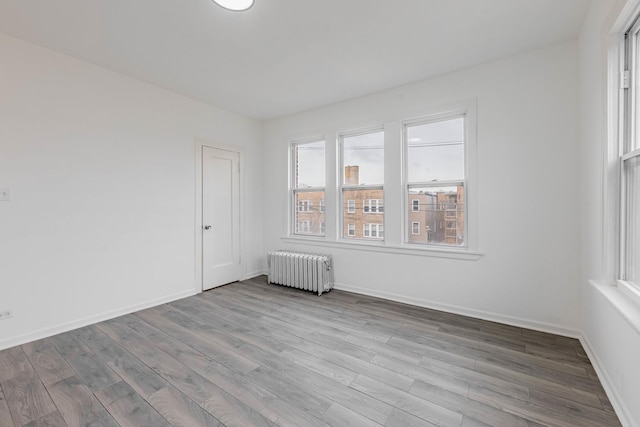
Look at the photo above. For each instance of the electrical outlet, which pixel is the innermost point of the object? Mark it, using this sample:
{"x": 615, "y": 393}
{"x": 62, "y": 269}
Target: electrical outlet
{"x": 5, "y": 314}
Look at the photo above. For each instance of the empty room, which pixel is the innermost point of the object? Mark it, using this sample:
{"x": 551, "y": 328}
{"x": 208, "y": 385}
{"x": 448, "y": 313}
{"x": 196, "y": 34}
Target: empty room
{"x": 331, "y": 213}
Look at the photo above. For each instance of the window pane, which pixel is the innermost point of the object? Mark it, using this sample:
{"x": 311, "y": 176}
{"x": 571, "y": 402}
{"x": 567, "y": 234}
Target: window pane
{"x": 415, "y": 228}
{"x": 632, "y": 168}
{"x": 309, "y": 165}
{"x": 364, "y": 209}
{"x": 363, "y": 159}
{"x": 440, "y": 213}
{"x": 435, "y": 151}
{"x": 309, "y": 216}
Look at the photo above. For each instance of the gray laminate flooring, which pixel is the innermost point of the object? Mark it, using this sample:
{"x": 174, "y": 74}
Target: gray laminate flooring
{"x": 252, "y": 354}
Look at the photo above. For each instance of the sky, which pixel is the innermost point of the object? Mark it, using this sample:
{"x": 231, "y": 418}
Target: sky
{"x": 435, "y": 153}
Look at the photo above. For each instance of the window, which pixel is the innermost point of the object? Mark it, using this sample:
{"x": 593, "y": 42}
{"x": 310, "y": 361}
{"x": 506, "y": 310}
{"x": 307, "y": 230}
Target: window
{"x": 373, "y": 206}
{"x": 435, "y": 180}
{"x": 362, "y": 180}
{"x": 629, "y": 161}
{"x": 428, "y": 200}
{"x": 307, "y": 192}
{"x": 373, "y": 231}
{"x": 415, "y": 228}
{"x": 304, "y": 205}
{"x": 303, "y": 227}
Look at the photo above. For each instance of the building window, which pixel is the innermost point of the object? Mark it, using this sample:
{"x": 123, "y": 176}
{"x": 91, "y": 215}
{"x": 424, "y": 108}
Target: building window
{"x": 351, "y": 206}
{"x": 629, "y": 161}
{"x": 362, "y": 179}
{"x": 351, "y": 230}
{"x": 307, "y": 191}
{"x": 304, "y": 205}
{"x": 373, "y": 206}
{"x": 303, "y": 227}
{"x": 415, "y": 228}
{"x": 373, "y": 231}
{"x": 435, "y": 180}
{"x": 322, "y": 230}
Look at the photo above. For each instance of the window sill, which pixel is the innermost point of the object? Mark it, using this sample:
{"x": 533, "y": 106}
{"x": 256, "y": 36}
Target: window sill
{"x": 630, "y": 291}
{"x": 464, "y": 255}
{"x": 624, "y": 298}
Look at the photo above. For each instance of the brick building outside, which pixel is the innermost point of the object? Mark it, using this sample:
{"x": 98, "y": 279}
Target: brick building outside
{"x": 434, "y": 216}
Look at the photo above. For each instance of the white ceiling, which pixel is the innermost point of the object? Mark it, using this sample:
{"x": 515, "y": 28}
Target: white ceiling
{"x": 286, "y": 56}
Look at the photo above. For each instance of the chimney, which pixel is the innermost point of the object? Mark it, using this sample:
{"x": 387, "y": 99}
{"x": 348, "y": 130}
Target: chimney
{"x": 352, "y": 175}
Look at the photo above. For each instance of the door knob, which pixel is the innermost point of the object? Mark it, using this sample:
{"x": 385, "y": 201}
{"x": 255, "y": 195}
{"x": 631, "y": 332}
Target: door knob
{"x": 207, "y": 227}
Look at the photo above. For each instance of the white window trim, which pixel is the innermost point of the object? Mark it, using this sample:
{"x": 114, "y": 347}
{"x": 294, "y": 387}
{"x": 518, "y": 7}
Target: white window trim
{"x": 293, "y": 206}
{"x": 468, "y": 109}
{"x": 415, "y": 205}
{"x": 351, "y": 209}
{"x": 350, "y": 229}
{"x": 369, "y": 245}
{"x": 344, "y": 187}
{"x": 624, "y": 296}
{"x": 394, "y": 242}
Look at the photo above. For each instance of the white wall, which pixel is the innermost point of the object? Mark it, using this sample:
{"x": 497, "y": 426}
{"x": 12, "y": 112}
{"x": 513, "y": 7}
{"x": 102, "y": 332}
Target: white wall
{"x": 610, "y": 321}
{"x": 527, "y": 198}
{"x": 102, "y": 173}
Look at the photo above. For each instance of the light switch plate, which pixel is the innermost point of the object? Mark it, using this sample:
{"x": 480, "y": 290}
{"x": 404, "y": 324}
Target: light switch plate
{"x": 5, "y": 194}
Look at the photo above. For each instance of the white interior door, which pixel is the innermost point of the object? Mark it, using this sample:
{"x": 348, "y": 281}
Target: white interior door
{"x": 220, "y": 217}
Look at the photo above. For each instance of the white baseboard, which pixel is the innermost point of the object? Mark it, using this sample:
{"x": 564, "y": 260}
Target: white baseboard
{"x": 253, "y": 274}
{"x": 479, "y": 314}
{"x": 626, "y": 419}
{"x": 65, "y": 327}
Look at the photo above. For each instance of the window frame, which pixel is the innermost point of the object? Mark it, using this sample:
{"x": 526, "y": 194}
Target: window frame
{"x": 468, "y": 114}
{"x": 294, "y": 208}
{"x": 628, "y": 145}
{"x": 395, "y": 197}
{"x": 342, "y": 187}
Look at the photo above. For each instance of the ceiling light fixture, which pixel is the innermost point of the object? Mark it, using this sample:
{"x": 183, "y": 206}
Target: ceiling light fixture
{"x": 235, "y": 5}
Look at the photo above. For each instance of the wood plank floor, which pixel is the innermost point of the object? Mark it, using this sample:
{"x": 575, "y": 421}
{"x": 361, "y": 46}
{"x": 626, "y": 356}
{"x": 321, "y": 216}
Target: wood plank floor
{"x": 252, "y": 354}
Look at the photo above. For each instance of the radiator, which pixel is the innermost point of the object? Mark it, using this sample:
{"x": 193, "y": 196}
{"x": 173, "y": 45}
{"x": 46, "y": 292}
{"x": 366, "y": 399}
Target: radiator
{"x": 310, "y": 272}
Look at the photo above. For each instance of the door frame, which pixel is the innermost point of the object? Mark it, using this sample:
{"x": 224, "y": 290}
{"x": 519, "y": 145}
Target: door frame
{"x": 199, "y": 144}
